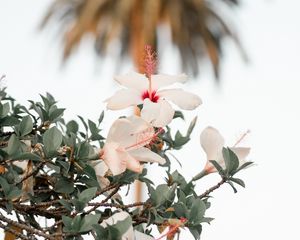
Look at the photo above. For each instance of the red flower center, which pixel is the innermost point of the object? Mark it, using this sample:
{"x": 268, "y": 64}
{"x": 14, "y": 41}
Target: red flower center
{"x": 152, "y": 96}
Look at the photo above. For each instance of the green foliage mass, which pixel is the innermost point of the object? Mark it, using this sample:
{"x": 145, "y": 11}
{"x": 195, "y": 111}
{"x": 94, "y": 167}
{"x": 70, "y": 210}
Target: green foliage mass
{"x": 47, "y": 172}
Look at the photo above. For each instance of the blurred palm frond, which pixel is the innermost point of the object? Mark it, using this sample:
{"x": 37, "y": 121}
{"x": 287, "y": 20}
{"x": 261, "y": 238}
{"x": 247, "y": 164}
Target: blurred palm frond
{"x": 197, "y": 27}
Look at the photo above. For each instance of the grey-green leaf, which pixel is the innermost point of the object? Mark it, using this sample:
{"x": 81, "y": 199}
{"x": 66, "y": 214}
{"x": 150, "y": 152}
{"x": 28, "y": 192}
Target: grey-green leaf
{"x": 52, "y": 139}
{"x": 87, "y": 195}
{"x": 88, "y": 222}
{"x": 26, "y": 126}
{"x": 64, "y": 185}
{"x": 197, "y": 211}
{"x": 14, "y": 145}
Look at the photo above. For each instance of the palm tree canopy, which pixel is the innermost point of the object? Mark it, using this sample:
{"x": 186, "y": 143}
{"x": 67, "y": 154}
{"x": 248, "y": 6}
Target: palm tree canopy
{"x": 197, "y": 28}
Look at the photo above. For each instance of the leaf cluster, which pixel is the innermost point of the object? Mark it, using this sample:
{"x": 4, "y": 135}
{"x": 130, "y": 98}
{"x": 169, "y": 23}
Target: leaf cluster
{"x": 47, "y": 171}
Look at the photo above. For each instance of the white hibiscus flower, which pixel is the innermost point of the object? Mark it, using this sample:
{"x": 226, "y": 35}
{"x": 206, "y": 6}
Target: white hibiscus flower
{"x": 124, "y": 147}
{"x": 212, "y": 143}
{"x": 148, "y": 91}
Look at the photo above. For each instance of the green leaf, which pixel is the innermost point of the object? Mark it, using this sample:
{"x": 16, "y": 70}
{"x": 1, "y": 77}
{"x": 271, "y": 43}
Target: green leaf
{"x": 14, "y": 193}
{"x": 38, "y": 107}
{"x": 178, "y": 178}
{"x": 52, "y": 139}
{"x": 90, "y": 171}
{"x": 67, "y": 221}
{"x": 14, "y": 145}
{"x": 56, "y": 114}
{"x": 64, "y": 185}
{"x": 93, "y": 127}
{"x": 245, "y": 165}
{"x": 9, "y": 121}
{"x": 180, "y": 210}
{"x": 66, "y": 204}
{"x": 163, "y": 194}
{"x": 5, "y": 186}
{"x": 72, "y": 126}
{"x": 87, "y": 195}
{"x": 101, "y": 232}
{"x": 101, "y": 117}
{"x": 197, "y": 212}
{"x": 196, "y": 231}
{"x": 227, "y": 161}
{"x": 218, "y": 167}
{"x": 178, "y": 114}
{"x": 232, "y": 186}
{"x": 238, "y": 181}
{"x": 10, "y": 190}
{"x": 181, "y": 196}
{"x": 180, "y": 140}
{"x": 79, "y": 206}
{"x": 26, "y": 126}
{"x": 83, "y": 122}
{"x": 123, "y": 226}
{"x": 231, "y": 160}
{"x": 26, "y": 156}
{"x": 234, "y": 161}
{"x": 191, "y": 127}
{"x": 207, "y": 220}
{"x": 50, "y": 98}
{"x": 83, "y": 151}
{"x": 4, "y": 110}
{"x": 88, "y": 221}
{"x": 65, "y": 165}
{"x": 76, "y": 224}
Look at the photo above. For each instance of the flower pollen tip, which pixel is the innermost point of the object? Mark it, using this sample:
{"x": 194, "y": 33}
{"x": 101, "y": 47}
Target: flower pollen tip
{"x": 149, "y": 61}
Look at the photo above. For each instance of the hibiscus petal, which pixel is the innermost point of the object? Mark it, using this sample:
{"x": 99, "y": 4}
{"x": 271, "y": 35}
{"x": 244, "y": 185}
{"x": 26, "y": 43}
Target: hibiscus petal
{"x": 114, "y": 158}
{"x": 123, "y": 99}
{"x": 184, "y": 100}
{"x": 212, "y": 143}
{"x": 100, "y": 168}
{"x": 242, "y": 153}
{"x": 118, "y": 159}
{"x": 132, "y": 132}
{"x": 146, "y": 155}
{"x": 141, "y": 236}
{"x": 158, "y": 114}
{"x": 133, "y": 164}
{"x": 119, "y": 216}
{"x": 133, "y": 80}
{"x": 163, "y": 80}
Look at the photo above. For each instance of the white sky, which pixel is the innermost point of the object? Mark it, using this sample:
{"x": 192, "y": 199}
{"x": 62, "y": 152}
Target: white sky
{"x": 261, "y": 96}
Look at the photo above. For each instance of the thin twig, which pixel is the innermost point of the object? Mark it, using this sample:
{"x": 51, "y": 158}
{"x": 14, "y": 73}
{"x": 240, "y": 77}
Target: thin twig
{"x": 14, "y": 232}
{"x": 207, "y": 192}
{"x": 38, "y": 167}
{"x": 105, "y": 200}
{"x": 26, "y": 228}
{"x": 116, "y": 205}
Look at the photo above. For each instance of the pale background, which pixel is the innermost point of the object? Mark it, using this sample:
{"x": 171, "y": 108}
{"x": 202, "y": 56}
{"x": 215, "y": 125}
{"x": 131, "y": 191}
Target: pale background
{"x": 262, "y": 96}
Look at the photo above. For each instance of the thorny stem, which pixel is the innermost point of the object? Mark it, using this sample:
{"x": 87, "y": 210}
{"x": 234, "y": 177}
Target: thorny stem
{"x": 26, "y": 228}
{"x": 105, "y": 200}
{"x": 118, "y": 205}
{"x": 97, "y": 194}
{"x": 210, "y": 190}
